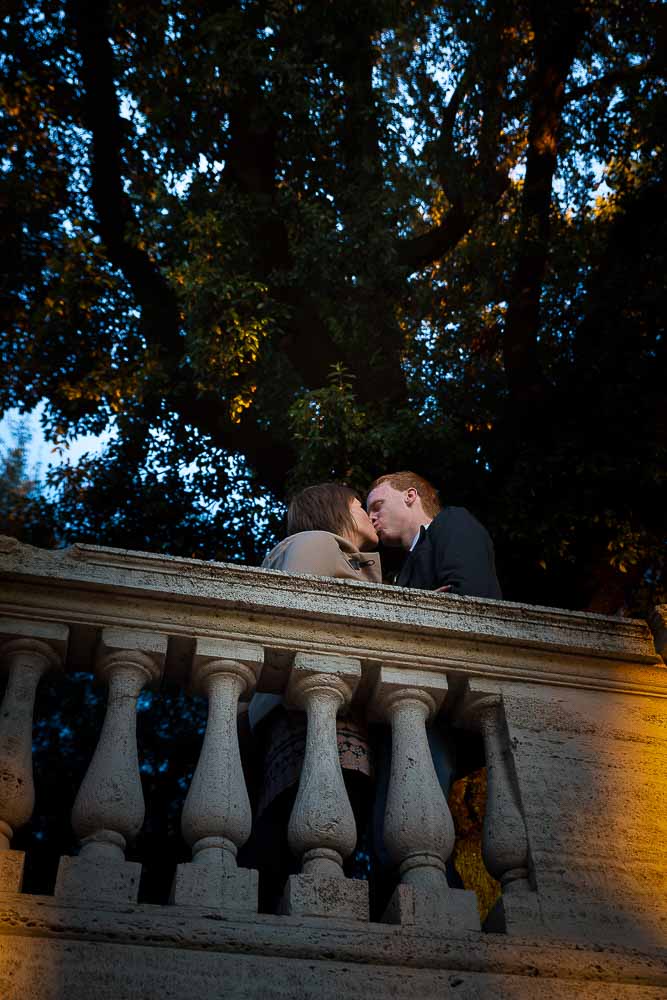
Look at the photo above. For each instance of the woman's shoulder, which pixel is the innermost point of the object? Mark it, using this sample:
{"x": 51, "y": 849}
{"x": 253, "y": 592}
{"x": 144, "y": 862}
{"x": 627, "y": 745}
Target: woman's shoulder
{"x": 304, "y": 539}
{"x": 295, "y": 547}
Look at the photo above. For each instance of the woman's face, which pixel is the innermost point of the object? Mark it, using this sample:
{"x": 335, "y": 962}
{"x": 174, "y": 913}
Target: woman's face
{"x": 366, "y": 535}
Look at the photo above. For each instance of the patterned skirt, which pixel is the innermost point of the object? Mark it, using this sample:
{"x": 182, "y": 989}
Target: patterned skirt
{"x": 283, "y": 737}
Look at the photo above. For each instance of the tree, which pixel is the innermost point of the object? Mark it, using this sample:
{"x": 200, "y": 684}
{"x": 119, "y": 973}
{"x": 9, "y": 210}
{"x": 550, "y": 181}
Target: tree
{"x": 271, "y": 242}
{"x": 25, "y": 512}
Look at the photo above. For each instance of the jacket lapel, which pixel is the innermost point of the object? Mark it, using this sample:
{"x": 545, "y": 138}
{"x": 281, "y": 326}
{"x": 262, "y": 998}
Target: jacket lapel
{"x": 413, "y": 560}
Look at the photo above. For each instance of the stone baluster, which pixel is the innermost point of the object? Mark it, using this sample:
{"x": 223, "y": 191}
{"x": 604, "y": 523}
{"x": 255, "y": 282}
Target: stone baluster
{"x": 657, "y": 622}
{"x": 27, "y": 650}
{"x": 322, "y": 831}
{"x": 109, "y": 808}
{"x": 418, "y": 826}
{"x": 504, "y": 838}
{"x": 217, "y": 818}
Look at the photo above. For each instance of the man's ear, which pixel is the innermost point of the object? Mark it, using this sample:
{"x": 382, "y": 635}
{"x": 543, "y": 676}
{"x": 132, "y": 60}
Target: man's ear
{"x": 410, "y": 496}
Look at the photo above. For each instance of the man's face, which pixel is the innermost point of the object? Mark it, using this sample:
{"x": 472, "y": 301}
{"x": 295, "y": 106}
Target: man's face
{"x": 389, "y": 514}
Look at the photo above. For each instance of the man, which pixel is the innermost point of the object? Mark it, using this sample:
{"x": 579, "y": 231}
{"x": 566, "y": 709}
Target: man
{"x": 449, "y": 550}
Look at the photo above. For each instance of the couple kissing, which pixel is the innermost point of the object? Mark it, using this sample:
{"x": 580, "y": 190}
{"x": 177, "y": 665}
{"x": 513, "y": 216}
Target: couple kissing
{"x": 330, "y": 533}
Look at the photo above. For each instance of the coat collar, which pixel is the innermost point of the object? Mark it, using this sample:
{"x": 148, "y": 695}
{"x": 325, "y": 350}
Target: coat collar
{"x": 367, "y": 562}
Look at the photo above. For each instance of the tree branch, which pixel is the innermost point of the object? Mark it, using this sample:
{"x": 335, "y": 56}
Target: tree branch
{"x": 360, "y": 133}
{"x": 651, "y": 67}
{"x": 558, "y": 31}
{"x": 117, "y": 222}
{"x": 470, "y": 187}
{"x": 269, "y": 455}
{"x": 119, "y": 230}
{"x": 445, "y": 149}
{"x": 420, "y": 251}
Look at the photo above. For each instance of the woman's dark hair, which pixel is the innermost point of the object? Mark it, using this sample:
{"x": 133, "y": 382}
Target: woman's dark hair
{"x": 324, "y": 507}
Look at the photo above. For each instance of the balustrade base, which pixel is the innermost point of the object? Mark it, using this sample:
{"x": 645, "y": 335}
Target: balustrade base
{"x": 55, "y": 950}
{"x": 11, "y": 870}
{"x": 453, "y": 911}
{"x": 211, "y": 886}
{"x": 319, "y": 896}
{"x": 102, "y": 880}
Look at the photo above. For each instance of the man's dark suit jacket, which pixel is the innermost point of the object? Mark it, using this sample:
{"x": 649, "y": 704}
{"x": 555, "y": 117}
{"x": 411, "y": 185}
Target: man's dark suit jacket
{"x": 457, "y": 550}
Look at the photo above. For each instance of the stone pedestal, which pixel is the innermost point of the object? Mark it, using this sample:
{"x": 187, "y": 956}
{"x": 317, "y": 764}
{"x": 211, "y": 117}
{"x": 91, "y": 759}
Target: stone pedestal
{"x": 212, "y": 887}
{"x": 319, "y": 896}
{"x": 453, "y": 912}
{"x": 106, "y": 881}
{"x": 11, "y": 870}
{"x": 516, "y": 912}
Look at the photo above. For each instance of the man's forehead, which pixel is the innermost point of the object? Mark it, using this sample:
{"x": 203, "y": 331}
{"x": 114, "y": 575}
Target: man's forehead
{"x": 379, "y": 492}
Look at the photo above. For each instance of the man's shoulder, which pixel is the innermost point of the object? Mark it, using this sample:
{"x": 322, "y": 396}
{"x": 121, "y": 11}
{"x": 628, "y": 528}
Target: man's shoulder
{"x": 456, "y": 522}
{"x": 449, "y": 516}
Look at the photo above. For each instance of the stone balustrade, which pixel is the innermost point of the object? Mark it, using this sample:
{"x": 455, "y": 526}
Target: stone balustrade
{"x": 570, "y": 709}
{"x": 217, "y": 816}
{"x": 27, "y": 651}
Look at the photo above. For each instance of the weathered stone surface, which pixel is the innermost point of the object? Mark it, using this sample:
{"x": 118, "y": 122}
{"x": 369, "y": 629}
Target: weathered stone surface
{"x": 322, "y": 830}
{"x": 189, "y": 597}
{"x": 418, "y": 826}
{"x": 589, "y": 776}
{"x": 392, "y": 681}
{"x": 452, "y": 912}
{"x": 11, "y": 870}
{"x": 516, "y": 912}
{"x": 211, "y": 887}
{"x": 117, "y": 642}
{"x": 318, "y": 896}
{"x": 109, "y": 806}
{"x": 217, "y": 816}
{"x": 314, "y": 939}
{"x": 53, "y": 634}
{"x": 27, "y": 650}
{"x": 104, "y": 881}
{"x": 50, "y": 952}
{"x": 59, "y": 970}
{"x": 658, "y": 625}
{"x": 250, "y": 655}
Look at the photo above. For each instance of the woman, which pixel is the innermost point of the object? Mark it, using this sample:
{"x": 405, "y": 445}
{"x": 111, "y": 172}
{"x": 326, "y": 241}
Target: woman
{"x": 329, "y": 534}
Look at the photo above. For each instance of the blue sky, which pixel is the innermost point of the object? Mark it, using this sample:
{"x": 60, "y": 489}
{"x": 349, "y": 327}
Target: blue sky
{"x": 42, "y": 453}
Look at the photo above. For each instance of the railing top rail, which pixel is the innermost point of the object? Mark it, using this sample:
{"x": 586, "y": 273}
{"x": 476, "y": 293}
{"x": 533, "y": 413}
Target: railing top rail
{"x": 361, "y": 619}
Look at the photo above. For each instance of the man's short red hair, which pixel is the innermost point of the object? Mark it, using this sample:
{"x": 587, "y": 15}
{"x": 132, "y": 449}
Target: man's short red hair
{"x": 402, "y": 481}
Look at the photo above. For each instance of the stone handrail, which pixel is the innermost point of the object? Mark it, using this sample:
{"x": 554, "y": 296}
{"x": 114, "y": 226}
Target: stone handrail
{"x": 568, "y": 706}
